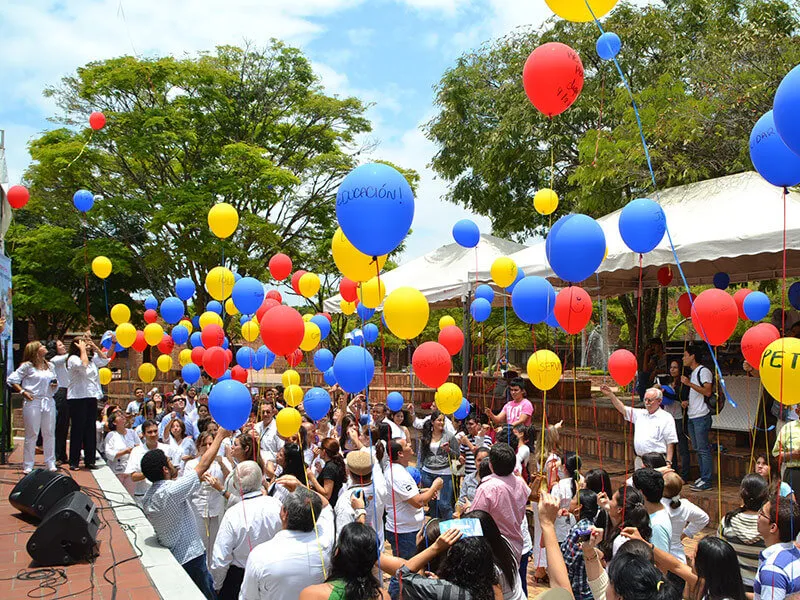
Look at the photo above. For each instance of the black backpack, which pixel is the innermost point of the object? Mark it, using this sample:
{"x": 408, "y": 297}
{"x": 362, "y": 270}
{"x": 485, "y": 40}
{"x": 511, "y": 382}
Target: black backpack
{"x": 716, "y": 401}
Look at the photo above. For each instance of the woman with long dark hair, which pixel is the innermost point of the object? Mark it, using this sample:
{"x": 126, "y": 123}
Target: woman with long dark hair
{"x": 565, "y": 490}
{"x": 290, "y": 460}
{"x": 625, "y": 508}
{"x": 632, "y": 577}
{"x": 437, "y": 448}
{"x": 333, "y": 474}
{"x": 83, "y": 392}
{"x": 585, "y": 509}
{"x": 508, "y": 574}
{"x": 674, "y": 394}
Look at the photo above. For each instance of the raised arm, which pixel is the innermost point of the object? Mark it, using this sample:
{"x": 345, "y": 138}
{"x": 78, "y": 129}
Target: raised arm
{"x": 614, "y": 400}
{"x": 211, "y": 452}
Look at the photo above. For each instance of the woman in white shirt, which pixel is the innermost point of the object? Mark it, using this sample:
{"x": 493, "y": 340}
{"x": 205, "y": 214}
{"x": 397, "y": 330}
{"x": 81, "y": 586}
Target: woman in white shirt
{"x": 182, "y": 445}
{"x": 82, "y": 395}
{"x": 58, "y": 358}
{"x": 207, "y": 502}
{"x": 687, "y": 518}
{"x": 35, "y": 379}
{"x": 119, "y": 443}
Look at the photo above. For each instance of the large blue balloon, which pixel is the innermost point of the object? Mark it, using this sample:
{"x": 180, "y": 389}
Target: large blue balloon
{"x": 463, "y": 410}
{"x": 552, "y": 321}
{"x": 184, "y": 288}
{"x": 196, "y": 340}
{"x": 371, "y": 333}
{"x": 230, "y": 403}
{"x": 364, "y": 313}
{"x": 756, "y": 305}
{"x": 329, "y": 377}
{"x": 180, "y": 335}
{"x": 172, "y": 310}
{"x": 317, "y": 403}
{"x": 394, "y": 401}
{"x": 323, "y": 359}
{"x": 248, "y": 294}
{"x": 533, "y": 299}
{"x": 357, "y": 337}
{"x": 150, "y": 303}
{"x": 83, "y": 200}
{"x": 375, "y": 208}
{"x": 787, "y": 101}
{"x": 196, "y": 322}
{"x": 642, "y": 225}
{"x": 245, "y": 357}
{"x": 517, "y": 279}
{"x": 794, "y": 295}
{"x": 466, "y": 233}
{"x": 771, "y": 157}
{"x": 480, "y": 309}
{"x": 722, "y": 280}
{"x": 324, "y": 325}
{"x": 265, "y": 354}
{"x": 214, "y": 306}
{"x": 608, "y": 45}
{"x": 190, "y": 373}
{"x": 575, "y": 247}
{"x": 486, "y": 292}
{"x": 353, "y": 368}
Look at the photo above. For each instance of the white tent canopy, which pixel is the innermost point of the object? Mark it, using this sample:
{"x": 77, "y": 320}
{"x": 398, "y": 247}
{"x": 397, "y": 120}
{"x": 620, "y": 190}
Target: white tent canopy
{"x": 443, "y": 275}
{"x": 732, "y": 224}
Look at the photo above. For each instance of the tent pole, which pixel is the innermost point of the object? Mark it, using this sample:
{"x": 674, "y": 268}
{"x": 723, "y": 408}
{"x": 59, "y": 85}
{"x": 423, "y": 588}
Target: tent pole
{"x": 466, "y": 350}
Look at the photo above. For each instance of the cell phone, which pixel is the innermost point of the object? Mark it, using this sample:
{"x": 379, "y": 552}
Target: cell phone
{"x": 583, "y": 535}
{"x": 54, "y": 382}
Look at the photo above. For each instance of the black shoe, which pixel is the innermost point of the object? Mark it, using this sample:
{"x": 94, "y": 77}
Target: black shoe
{"x": 74, "y": 468}
{"x": 92, "y": 467}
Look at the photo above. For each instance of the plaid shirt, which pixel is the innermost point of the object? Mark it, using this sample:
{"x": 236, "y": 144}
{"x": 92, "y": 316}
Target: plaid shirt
{"x": 573, "y": 558}
{"x": 778, "y": 572}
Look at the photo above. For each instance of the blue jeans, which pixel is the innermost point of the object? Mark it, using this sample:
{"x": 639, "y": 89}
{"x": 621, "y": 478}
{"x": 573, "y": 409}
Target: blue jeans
{"x": 403, "y": 545}
{"x": 699, "y": 429}
{"x": 443, "y": 507}
{"x": 523, "y": 570}
{"x": 681, "y": 460}
{"x": 198, "y": 571}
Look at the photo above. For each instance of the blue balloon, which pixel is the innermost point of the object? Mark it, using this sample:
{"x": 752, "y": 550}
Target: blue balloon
{"x": 517, "y": 279}
{"x": 575, "y": 247}
{"x": 466, "y": 233}
{"x": 756, "y": 305}
{"x": 243, "y": 319}
{"x": 317, "y": 403}
{"x": 190, "y": 373}
{"x": 150, "y": 303}
{"x": 480, "y": 309}
{"x": 196, "y": 340}
{"x": 119, "y": 347}
{"x": 196, "y": 322}
{"x": 266, "y": 355}
{"x": 230, "y": 403}
{"x": 533, "y": 299}
{"x": 83, "y": 200}
{"x": 226, "y": 376}
{"x": 721, "y": 280}
{"x": 172, "y": 310}
{"x": 324, "y": 325}
{"x": 236, "y": 277}
{"x": 463, "y": 410}
{"x": 486, "y": 292}
{"x": 245, "y": 357}
{"x": 787, "y": 99}
{"x": 353, "y": 368}
{"x": 357, "y": 337}
{"x": 794, "y": 295}
{"x": 323, "y": 359}
{"x": 371, "y": 333}
{"x": 667, "y": 400}
{"x": 214, "y": 306}
{"x": 329, "y": 377}
{"x": 415, "y": 473}
{"x": 248, "y": 295}
{"x": 184, "y": 288}
{"x": 225, "y": 343}
{"x": 180, "y": 335}
{"x": 364, "y": 313}
{"x": 106, "y": 342}
{"x": 608, "y": 45}
{"x": 552, "y": 322}
{"x": 774, "y": 161}
{"x": 394, "y": 401}
{"x": 375, "y": 208}
{"x": 642, "y": 225}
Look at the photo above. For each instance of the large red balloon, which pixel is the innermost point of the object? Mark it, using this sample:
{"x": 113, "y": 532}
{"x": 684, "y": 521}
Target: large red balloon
{"x": 215, "y": 362}
{"x": 295, "y": 358}
{"x": 280, "y": 266}
{"x": 150, "y": 316}
{"x": 197, "y": 355}
{"x": 166, "y": 344}
{"x": 573, "y": 308}
{"x": 348, "y": 289}
{"x": 282, "y": 329}
{"x": 622, "y": 366}
{"x": 212, "y": 335}
{"x": 714, "y": 316}
{"x": 553, "y": 78}
{"x": 432, "y": 364}
{"x": 685, "y": 304}
{"x": 296, "y": 280}
{"x": 17, "y": 196}
{"x": 756, "y": 339}
{"x": 274, "y": 295}
{"x": 452, "y": 338}
{"x": 664, "y": 276}
{"x": 97, "y": 120}
{"x": 739, "y": 297}
{"x": 239, "y": 374}
{"x": 267, "y": 304}
{"x": 140, "y": 344}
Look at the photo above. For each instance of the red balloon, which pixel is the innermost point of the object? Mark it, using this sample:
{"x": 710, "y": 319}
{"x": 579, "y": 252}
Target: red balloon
{"x": 274, "y": 295}
{"x": 573, "y": 308}
{"x": 17, "y": 196}
{"x": 228, "y": 355}
{"x": 685, "y": 304}
{"x": 714, "y": 316}
{"x": 756, "y": 339}
{"x": 452, "y": 338}
{"x": 97, "y": 120}
{"x": 327, "y": 315}
{"x": 266, "y": 305}
{"x": 239, "y": 374}
{"x": 212, "y": 335}
{"x": 739, "y": 297}
{"x": 296, "y": 280}
{"x": 282, "y": 329}
{"x": 432, "y": 364}
{"x": 215, "y": 362}
{"x": 280, "y": 266}
{"x": 197, "y": 355}
{"x": 622, "y": 366}
{"x": 348, "y": 289}
{"x": 295, "y": 358}
{"x": 664, "y": 276}
{"x": 553, "y": 78}
{"x": 166, "y": 344}
{"x": 140, "y": 344}
{"x": 150, "y": 316}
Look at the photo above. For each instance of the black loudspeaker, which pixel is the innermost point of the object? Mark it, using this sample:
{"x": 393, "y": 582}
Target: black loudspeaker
{"x": 39, "y": 490}
{"x": 68, "y": 534}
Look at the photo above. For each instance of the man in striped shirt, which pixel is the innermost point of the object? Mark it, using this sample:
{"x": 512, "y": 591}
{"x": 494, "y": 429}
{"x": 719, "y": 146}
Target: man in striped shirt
{"x": 778, "y": 573}
{"x": 475, "y": 438}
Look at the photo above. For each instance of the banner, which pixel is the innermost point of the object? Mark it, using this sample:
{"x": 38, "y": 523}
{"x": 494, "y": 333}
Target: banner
{"x": 6, "y": 310}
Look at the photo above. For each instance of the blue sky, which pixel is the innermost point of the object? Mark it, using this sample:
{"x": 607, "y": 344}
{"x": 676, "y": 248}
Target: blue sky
{"x": 387, "y": 52}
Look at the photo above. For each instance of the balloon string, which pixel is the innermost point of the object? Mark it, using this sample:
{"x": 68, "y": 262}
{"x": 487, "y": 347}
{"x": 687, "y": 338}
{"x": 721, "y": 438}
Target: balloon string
{"x": 86, "y": 273}
{"x": 505, "y": 339}
{"x": 105, "y": 293}
{"x": 91, "y": 135}
{"x": 316, "y": 529}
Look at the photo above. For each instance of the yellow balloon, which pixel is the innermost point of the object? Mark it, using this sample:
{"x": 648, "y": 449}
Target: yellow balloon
{"x": 188, "y": 324}
{"x": 126, "y": 334}
{"x": 545, "y": 201}
{"x": 164, "y": 363}
{"x": 354, "y": 264}
{"x": 308, "y": 285}
{"x": 780, "y": 371}
{"x": 230, "y": 307}
{"x": 290, "y": 377}
{"x": 293, "y": 395}
{"x": 120, "y": 314}
{"x": 446, "y": 321}
{"x": 185, "y": 357}
{"x": 544, "y": 369}
{"x": 223, "y": 220}
{"x": 219, "y": 283}
{"x": 250, "y": 331}
{"x": 153, "y": 334}
{"x": 406, "y": 312}
{"x": 348, "y": 308}
{"x": 371, "y": 293}
{"x": 209, "y": 317}
{"x": 288, "y": 422}
{"x": 105, "y": 376}
{"x": 307, "y": 317}
{"x": 311, "y": 337}
{"x": 147, "y": 372}
{"x": 605, "y": 255}
{"x": 576, "y": 10}
{"x": 504, "y": 271}
{"x": 101, "y": 267}
{"x": 448, "y": 398}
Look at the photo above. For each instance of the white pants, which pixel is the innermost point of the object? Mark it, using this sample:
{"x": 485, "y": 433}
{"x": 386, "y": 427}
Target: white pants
{"x": 39, "y": 414}
{"x": 208, "y": 527}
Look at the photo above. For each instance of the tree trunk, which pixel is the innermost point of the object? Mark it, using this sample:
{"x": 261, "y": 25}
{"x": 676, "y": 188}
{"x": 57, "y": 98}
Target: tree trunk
{"x": 644, "y": 315}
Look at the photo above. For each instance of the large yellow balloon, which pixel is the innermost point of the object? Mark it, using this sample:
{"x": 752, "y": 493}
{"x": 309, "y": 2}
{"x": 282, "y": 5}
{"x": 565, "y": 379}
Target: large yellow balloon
{"x": 120, "y": 314}
{"x": 147, "y": 372}
{"x": 406, "y": 312}
{"x": 250, "y": 331}
{"x": 230, "y": 307}
{"x": 153, "y": 334}
{"x": 311, "y": 337}
{"x": 576, "y": 10}
{"x": 223, "y": 220}
{"x": 290, "y": 377}
{"x": 188, "y": 324}
{"x": 504, "y": 271}
{"x": 101, "y": 267}
{"x": 209, "y": 317}
{"x": 446, "y": 321}
{"x": 448, "y": 398}
{"x": 308, "y": 285}
{"x": 371, "y": 293}
{"x": 348, "y": 308}
{"x": 105, "y": 376}
{"x": 164, "y": 363}
{"x": 126, "y": 334}
{"x": 545, "y": 201}
{"x": 293, "y": 395}
{"x": 353, "y": 263}
{"x": 185, "y": 357}
{"x": 288, "y": 422}
{"x": 219, "y": 283}
{"x": 544, "y": 369}
{"x": 780, "y": 370}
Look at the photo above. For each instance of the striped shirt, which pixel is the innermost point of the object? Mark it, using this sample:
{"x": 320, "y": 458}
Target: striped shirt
{"x": 778, "y": 572}
{"x": 469, "y": 456}
{"x": 742, "y": 534}
{"x": 788, "y": 442}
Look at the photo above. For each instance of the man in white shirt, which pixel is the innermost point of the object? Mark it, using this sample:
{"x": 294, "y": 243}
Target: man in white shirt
{"x": 134, "y": 466}
{"x": 292, "y": 560}
{"x": 360, "y": 468}
{"x": 270, "y": 441}
{"x": 177, "y": 405}
{"x": 700, "y": 388}
{"x": 245, "y": 525}
{"x": 419, "y": 423}
{"x": 136, "y": 404}
{"x": 378, "y": 414}
{"x": 191, "y": 406}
